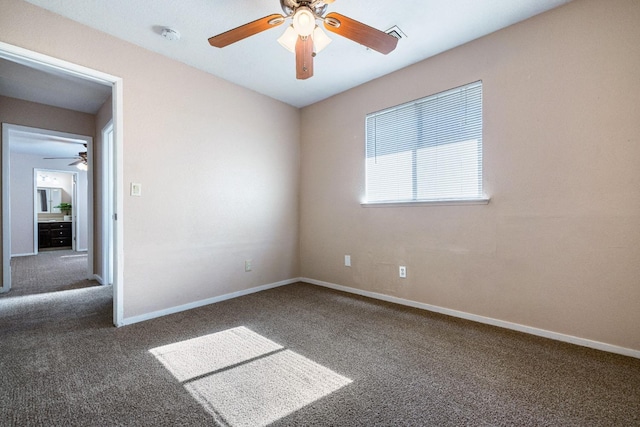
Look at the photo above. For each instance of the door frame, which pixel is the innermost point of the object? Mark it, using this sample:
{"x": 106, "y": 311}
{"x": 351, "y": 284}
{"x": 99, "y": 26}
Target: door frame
{"x": 57, "y": 66}
{"x": 107, "y": 210}
{"x": 74, "y": 202}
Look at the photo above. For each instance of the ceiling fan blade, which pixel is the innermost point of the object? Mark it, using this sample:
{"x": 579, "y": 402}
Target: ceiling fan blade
{"x": 360, "y": 33}
{"x": 77, "y": 162}
{"x": 60, "y": 158}
{"x": 246, "y": 30}
{"x": 304, "y": 58}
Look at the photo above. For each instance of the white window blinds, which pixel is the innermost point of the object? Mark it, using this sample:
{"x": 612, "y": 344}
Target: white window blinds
{"x": 426, "y": 150}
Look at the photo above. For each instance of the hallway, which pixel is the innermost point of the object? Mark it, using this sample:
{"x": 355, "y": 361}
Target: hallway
{"x": 49, "y": 271}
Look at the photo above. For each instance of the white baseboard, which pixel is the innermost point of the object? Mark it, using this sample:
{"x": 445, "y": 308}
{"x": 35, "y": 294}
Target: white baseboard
{"x": 27, "y": 254}
{"x": 196, "y": 304}
{"x": 481, "y": 319}
{"x": 98, "y": 278}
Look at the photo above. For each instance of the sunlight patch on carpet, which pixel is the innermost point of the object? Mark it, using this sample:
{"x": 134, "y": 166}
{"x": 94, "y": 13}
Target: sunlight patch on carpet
{"x": 245, "y": 379}
{"x": 10, "y": 302}
{"x": 189, "y": 359}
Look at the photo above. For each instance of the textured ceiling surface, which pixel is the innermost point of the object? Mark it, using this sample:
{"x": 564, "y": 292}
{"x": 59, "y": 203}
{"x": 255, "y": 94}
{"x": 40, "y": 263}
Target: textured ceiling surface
{"x": 45, "y": 144}
{"x": 261, "y": 64}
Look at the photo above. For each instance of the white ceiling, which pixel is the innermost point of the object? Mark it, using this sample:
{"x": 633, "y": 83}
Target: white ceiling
{"x": 261, "y": 64}
{"x": 45, "y": 144}
{"x": 59, "y": 90}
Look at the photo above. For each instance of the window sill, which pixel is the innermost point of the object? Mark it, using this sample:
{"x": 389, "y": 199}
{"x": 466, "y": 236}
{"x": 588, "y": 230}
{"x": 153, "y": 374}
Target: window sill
{"x": 439, "y": 202}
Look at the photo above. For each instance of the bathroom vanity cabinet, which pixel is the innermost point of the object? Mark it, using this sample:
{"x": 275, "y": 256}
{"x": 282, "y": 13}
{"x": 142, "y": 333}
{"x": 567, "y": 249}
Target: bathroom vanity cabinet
{"x": 54, "y": 235}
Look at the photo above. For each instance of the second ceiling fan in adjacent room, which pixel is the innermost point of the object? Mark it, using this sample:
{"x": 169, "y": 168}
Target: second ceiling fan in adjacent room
{"x": 80, "y": 160}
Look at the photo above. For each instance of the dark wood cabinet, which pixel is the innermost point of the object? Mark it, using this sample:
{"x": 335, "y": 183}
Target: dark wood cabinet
{"x": 54, "y": 235}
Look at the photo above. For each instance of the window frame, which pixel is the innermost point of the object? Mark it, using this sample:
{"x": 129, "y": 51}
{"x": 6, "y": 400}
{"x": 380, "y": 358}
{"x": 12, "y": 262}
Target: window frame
{"x": 479, "y": 198}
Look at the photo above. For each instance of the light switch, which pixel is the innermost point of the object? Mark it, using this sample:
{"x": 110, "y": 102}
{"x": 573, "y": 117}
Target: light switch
{"x": 136, "y": 189}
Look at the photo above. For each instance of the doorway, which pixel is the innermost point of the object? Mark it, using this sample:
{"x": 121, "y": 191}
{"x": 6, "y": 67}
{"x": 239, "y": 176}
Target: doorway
{"x": 58, "y": 204}
{"x": 71, "y": 71}
{"x": 41, "y": 218}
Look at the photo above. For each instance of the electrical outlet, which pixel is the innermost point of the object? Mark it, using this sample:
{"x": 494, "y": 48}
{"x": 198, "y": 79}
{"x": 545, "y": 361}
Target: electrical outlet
{"x": 347, "y": 260}
{"x": 247, "y": 265}
{"x": 402, "y": 272}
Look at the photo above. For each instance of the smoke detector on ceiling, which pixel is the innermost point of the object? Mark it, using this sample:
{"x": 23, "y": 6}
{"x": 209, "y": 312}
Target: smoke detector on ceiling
{"x": 170, "y": 34}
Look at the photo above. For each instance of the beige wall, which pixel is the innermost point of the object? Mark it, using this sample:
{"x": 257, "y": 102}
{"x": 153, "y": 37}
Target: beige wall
{"x": 18, "y": 112}
{"x": 218, "y": 164}
{"x": 558, "y": 246}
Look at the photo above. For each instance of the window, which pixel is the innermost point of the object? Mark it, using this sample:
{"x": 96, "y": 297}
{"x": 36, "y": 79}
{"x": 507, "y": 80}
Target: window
{"x": 427, "y": 150}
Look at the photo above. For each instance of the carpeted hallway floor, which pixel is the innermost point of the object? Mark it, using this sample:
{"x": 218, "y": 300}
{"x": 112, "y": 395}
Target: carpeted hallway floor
{"x": 298, "y": 355}
{"x": 49, "y": 271}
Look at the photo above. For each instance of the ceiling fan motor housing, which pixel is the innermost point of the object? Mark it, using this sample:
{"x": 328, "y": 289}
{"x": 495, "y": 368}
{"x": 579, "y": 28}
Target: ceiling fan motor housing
{"x": 290, "y": 6}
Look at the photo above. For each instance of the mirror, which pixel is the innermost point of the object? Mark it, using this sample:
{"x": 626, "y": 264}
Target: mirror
{"x": 48, "y": 198}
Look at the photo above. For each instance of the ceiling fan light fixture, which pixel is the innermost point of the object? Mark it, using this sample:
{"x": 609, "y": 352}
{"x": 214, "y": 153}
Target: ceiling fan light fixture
{"x": 288, "y": 39}
{"x": 304, "y": 21}
{"x": 320, "y": 39}
{"x": 82, "y": 166}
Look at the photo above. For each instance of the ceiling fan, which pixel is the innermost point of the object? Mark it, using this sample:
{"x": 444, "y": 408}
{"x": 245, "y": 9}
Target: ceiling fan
{"x": 303, "y": 36}
{"x": 80, "y": 160}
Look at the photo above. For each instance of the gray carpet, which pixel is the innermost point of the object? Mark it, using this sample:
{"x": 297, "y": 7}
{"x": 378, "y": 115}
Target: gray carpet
{"x": 49, "y": 271}
{"x": 298, "y": 355}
